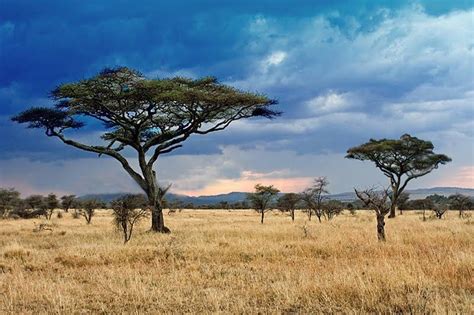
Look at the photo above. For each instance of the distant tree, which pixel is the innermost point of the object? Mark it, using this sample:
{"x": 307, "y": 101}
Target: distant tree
{"x": 262, "y": 199}
{"x": 87, "y": 208}
{"x": 224, "y": 205}
{"x": 67, "y": 201}
{"x": 150, "y": 117}
{"x": 174, "y": 206}
{"x": 288, "y": 203}
{"x": 440, "y": 209}
{"x": 438, "y": 199}
{"x": 50, "y": 203}
{"x": 461, "y": 203}
{"x": 332, "y": 208}
{"x": 352, "y": 210}
{"x": 421, "y": 204}
{"x": 128, "y": 210}
{"x": 402, "y": 201}
{"x": 400, "y": 160}
{"x": 379, "y": 202}
{"x": 314, "y": 196}
{"x": 9, "y": 199}
{"x": 37, "y": 205}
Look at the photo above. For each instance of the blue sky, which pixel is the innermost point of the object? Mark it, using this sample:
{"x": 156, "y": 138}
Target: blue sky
{"x": 343, "y": 72}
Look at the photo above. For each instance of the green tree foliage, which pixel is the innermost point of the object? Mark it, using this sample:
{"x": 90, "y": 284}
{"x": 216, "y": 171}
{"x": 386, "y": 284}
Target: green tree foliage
{"x": 86, "y": 208}
{"x": 9, "y": 200}
{"x": 332, "y": 208}
{"x": 288, "y": 203}
{"x": 400, "y": 160}
{"x": 421, "y": 204}
{"x": 50, "y": 203}
{"x": 262, "y": 199}
{"x": 67, "y": 201}
{"x": 461, "y": 203}
{"x": 148, "y": 116}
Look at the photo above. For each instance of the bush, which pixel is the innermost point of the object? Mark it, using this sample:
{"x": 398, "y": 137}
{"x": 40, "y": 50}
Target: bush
{"x": 128, "y": 210}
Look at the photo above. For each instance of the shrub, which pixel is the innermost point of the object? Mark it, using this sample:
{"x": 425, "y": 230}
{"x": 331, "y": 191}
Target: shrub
{"x": 127, "y": 211}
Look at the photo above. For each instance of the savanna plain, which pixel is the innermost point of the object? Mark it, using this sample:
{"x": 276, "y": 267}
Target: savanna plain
{"x": 227, "y": 262}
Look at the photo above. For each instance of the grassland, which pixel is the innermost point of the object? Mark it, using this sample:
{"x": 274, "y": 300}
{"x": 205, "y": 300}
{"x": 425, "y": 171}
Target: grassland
{"x": 226, "y": 262}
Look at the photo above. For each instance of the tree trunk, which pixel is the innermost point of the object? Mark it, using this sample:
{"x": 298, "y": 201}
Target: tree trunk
{"x": 293, "y": 215}
{"x": 393, "y": 204}
{"x": 393, "y": 209}
{"x": 381, "y": 227}
{"x": 155, "y": 197}
{"x": 157, "y": 220}
{"x": 263, "y": 214}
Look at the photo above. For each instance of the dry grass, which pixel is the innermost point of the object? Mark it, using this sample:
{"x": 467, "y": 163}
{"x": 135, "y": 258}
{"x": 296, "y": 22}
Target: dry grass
{"x": 216, "y": 261}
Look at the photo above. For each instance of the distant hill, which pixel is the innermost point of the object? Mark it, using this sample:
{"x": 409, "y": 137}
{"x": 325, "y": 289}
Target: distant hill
{"x": 241, "y": 196}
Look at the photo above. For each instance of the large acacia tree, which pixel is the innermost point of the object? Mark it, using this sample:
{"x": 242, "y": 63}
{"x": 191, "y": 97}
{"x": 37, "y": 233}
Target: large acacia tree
{"x": 148, "y": 116}
{"x": 400, "y": 160}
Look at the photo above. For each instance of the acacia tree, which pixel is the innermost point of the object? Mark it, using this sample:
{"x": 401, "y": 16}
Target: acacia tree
{"x": 37, "y": 205}
{"x": 400, "y": 160}
{"x": 314, "y": 196}
{"x": 149, "y": 117}
{"x": 9, "y": 199}
{"x": 87, "y": 208}
{"x": 461, "y": 203}
{"x": 332, "y": 208}
{"x": 378, "y": 201}
{"x": 67, "y": 201}
{"x": 288, "y": 203}
{"x": 50, "y": 203}
{"x": 262, "y": 199}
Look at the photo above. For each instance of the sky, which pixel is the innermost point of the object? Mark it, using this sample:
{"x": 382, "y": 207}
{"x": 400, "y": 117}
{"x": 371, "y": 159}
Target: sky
{"x": 342, "y": 71}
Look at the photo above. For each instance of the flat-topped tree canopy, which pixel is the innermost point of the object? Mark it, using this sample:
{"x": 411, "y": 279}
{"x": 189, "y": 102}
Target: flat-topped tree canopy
{"x": 151, "y": 116}
{"x": 401, "y": 160}
{"x": 143, "y": 113}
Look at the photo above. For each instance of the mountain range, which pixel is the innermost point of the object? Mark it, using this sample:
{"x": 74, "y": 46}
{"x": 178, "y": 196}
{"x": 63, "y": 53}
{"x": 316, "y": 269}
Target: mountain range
{"x": 234, "y": 197}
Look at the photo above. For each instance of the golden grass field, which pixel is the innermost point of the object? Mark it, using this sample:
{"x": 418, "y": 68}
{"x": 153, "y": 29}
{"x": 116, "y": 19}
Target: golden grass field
{"x": 227, "y": 262}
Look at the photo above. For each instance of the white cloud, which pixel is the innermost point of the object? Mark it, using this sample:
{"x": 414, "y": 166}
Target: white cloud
{"x": 329, "y": 103}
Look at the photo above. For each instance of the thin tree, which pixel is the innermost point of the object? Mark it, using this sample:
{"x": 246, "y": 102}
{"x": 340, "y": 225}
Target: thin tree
{"x": 288, "y": 203}
{"x": 87, "y": 208}
{"x": 50, "y": 203}
{"x": 150, "y": 117}
{"x": 262, "y": 199}
{"x": 128, "y": 210}
{"x": 439, "y": 210}
{"x": 379, "y": 202}
{"x": 314, "y": 196}
{"x": 67, "y": 201}
{"x": 332, "y": 208}
{"x": 400, "y": 160}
